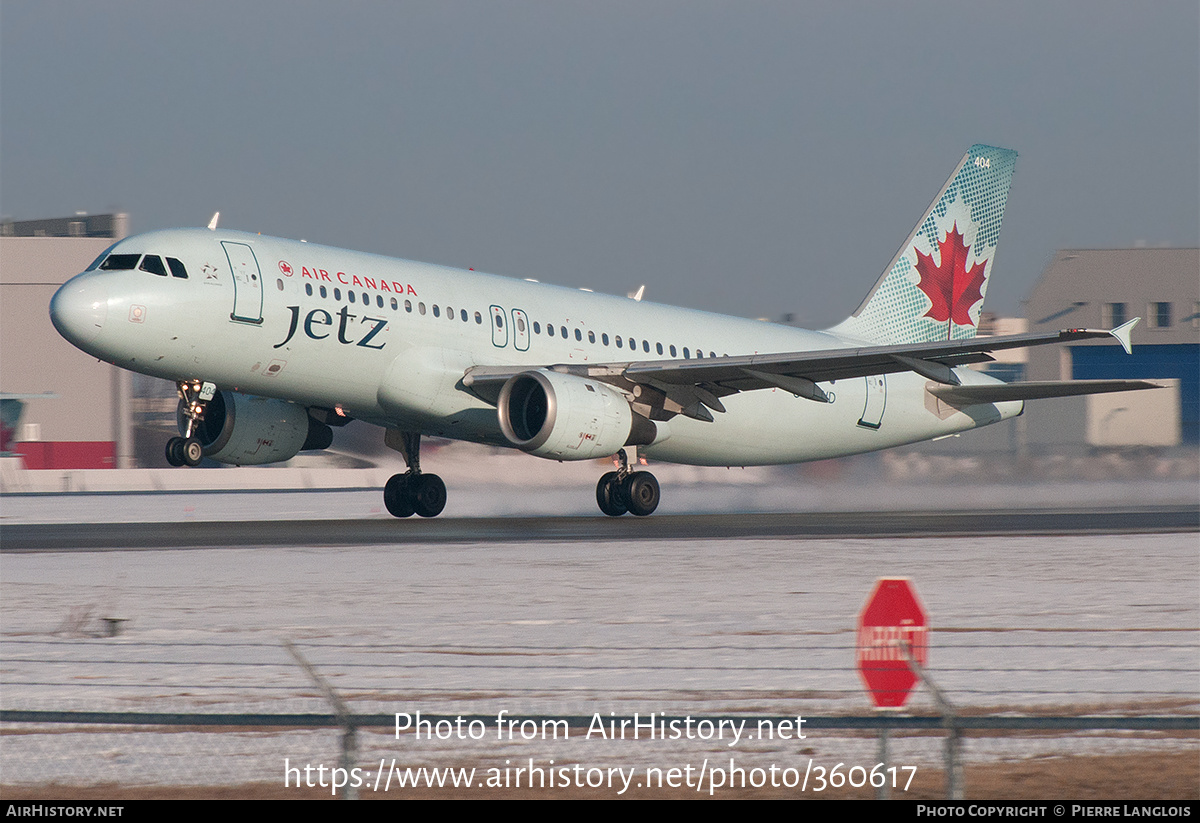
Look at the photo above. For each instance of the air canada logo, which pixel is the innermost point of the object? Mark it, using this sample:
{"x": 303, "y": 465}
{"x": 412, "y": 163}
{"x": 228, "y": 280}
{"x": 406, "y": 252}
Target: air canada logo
{"x": 285, "y": 267}
{"x": 952, "y": 289}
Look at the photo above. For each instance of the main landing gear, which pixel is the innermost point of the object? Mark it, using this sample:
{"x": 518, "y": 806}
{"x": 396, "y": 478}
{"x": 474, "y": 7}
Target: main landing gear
{"x": 627, "y": 491}
{"x": 412, "y": 492}
{"x": 187, "y": 450}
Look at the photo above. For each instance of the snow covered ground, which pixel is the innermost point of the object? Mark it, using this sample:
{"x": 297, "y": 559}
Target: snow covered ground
{"x": 1020, "y": 624}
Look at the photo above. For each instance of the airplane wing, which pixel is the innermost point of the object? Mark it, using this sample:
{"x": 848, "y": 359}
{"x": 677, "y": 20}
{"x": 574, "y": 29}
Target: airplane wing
{"x": 694, "y": 387}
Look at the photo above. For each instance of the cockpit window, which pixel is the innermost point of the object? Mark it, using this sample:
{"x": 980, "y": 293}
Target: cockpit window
{"x": 177, "y": 268}
{"x": 153, "y": 264}
{"x": 96, "y": 262}
{"x": 120, "y": 262}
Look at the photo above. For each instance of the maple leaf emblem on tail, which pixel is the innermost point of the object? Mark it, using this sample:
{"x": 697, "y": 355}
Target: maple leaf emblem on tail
{"x": 951, "y": 288}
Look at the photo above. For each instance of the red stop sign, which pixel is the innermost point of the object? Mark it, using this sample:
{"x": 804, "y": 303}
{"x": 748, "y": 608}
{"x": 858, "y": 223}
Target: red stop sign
{"x": 892, "y": 626}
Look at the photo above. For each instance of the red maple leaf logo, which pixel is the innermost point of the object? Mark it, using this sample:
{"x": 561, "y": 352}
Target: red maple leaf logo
{"x": 950, "y": 287}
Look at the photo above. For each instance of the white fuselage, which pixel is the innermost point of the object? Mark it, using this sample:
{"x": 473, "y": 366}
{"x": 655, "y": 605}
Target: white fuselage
{"x": 388, "y": 341}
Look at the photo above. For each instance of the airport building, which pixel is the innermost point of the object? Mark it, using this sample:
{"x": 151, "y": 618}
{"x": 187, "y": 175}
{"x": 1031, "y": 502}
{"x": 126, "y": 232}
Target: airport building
{"x": 1103, "y": 288}
{"x": 74, "y": 412}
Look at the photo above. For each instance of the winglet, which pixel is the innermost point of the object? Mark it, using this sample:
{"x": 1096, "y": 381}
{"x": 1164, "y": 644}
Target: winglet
{"x": 212, "y": 224}
{"x": 1122, "y": 331}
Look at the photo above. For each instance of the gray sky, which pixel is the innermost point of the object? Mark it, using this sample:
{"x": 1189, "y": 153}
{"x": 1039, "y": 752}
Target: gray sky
{"x": 751, "y": 158}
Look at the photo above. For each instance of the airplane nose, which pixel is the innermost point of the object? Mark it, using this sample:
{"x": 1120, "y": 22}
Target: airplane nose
{"x": 79, "y": 308}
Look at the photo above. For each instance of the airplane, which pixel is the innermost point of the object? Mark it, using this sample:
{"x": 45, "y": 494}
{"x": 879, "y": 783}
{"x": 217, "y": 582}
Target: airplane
{"x": 273, "y": 343}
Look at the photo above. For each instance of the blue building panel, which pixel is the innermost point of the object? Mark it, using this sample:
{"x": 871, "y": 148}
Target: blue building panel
{"x": 1148, "y": 362}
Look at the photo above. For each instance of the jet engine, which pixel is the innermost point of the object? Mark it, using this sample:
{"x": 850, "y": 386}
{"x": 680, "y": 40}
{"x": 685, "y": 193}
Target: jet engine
{"x": 247, "y": 431}
{"x": 566, "y": 417}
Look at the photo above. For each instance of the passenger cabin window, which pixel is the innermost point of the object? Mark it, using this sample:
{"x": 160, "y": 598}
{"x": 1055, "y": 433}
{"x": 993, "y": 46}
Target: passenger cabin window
{"x": 463, "y": 314}
{"x": 537, "y": 327}
{"x": 579, "y": 335}
{"x": 153, "y": 264}
{"x": 279, "y": 283}
{"x": 350, "y": 294}
{"x": 550, "y": 330}
{"x": 324, "y": 292}
{"x": 120, "y": 262}
{"x": 308, "y": 289}
{"x": 395, "y": 304}
{"x": 177, "y": 268}
{"x": 436, "y": 311}
{"x": 478, "y": 319}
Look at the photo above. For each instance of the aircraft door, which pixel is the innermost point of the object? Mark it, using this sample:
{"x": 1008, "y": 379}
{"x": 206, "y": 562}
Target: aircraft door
{"x": 499, "y": 328}
{"x": 247, "y": 282}
{"x": 872, "y": 416}
{"x": 520, "y": 330}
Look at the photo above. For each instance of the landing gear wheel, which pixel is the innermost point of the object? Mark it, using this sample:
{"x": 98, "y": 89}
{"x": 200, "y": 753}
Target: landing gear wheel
{"x": 396, "y": 496}
{"x": 641, "y": 493}
{"x": 429, "y": 495}
{"x": 412, "y": 492}
{"x": 608, "y": 495}
{"x": 174, "y": 451}
{"x": 191, "y": 451}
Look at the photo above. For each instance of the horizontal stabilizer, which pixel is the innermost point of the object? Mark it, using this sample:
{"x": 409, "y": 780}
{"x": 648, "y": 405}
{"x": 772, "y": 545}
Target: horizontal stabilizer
{"x": 1005, "y": 392}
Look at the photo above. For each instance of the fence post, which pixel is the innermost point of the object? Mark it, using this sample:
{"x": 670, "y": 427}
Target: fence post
{"x": 345, "y": 720}
{"x": 955, "y": 788}
{"x": 883, "y": 791}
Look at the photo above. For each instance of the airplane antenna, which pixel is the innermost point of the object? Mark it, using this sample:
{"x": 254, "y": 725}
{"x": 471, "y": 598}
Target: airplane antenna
{"x": 212, "y": 224}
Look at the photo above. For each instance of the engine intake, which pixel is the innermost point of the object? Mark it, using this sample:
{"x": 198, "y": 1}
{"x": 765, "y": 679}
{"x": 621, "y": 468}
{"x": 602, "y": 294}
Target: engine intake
{"x": 566, "y": 417}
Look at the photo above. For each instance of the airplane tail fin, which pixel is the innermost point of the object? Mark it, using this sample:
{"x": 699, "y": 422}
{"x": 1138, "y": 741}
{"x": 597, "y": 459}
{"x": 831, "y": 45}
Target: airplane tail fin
{"x": 934, "y": 287}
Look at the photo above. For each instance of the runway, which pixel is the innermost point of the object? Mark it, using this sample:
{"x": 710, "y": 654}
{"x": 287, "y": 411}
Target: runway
{"x": 1147, "y": 519}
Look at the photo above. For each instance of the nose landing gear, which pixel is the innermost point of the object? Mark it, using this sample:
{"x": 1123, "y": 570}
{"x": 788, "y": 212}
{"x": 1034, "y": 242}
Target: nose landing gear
{"x": 624, "y": 491}
{"x": 194, "y": 396}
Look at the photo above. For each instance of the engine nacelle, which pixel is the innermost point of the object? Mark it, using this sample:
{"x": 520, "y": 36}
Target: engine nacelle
{"x": 565, "y": 417}
{"x": 247, "y": 431}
